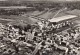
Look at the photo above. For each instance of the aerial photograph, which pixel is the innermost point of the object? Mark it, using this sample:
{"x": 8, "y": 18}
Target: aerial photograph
{"x": 39, "y": 27}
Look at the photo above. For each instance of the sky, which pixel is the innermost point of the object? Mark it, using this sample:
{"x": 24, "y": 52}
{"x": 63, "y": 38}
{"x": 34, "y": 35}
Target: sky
{"x": 39, "y": 0}
{"x": 2, "y": 0}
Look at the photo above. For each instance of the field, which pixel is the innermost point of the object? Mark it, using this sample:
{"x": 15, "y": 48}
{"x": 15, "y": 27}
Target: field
{"x": 43, "y": 14}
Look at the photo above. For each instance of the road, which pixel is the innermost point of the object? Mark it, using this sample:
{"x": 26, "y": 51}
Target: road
{"x": 6, "y": 19}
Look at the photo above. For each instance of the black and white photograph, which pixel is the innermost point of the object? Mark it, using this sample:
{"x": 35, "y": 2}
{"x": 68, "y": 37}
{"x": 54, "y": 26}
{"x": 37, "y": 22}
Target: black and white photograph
{"x": 39, "y": 27}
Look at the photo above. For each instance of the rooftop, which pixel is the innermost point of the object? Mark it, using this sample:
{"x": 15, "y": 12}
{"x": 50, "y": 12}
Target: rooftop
{"x": 62, "y": 18}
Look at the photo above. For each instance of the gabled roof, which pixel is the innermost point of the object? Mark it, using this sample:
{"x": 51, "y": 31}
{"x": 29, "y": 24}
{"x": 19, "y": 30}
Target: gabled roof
{"x": 62, "y": 18}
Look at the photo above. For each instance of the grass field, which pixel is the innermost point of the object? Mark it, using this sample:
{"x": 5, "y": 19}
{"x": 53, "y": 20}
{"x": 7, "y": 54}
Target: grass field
{"x": 26, "y": 18}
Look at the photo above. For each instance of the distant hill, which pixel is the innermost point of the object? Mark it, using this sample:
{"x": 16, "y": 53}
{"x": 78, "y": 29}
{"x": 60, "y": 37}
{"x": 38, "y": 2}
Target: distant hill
{"x": 19, "y": 1}
{"x": 42, "y": 3}
{"x": 39, "y": 1}
{"x": 45, "y": 0}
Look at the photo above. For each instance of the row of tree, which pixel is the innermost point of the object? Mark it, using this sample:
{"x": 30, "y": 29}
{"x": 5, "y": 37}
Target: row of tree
{"x": 43, "y": 4}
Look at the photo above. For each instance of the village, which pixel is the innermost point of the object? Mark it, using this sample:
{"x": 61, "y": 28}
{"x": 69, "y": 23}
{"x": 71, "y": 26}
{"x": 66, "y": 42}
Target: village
{"x": 33, "y": 30}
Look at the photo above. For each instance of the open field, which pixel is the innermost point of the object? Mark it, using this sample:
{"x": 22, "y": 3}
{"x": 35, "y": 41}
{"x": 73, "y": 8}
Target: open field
{"x": 26, "y": 17}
